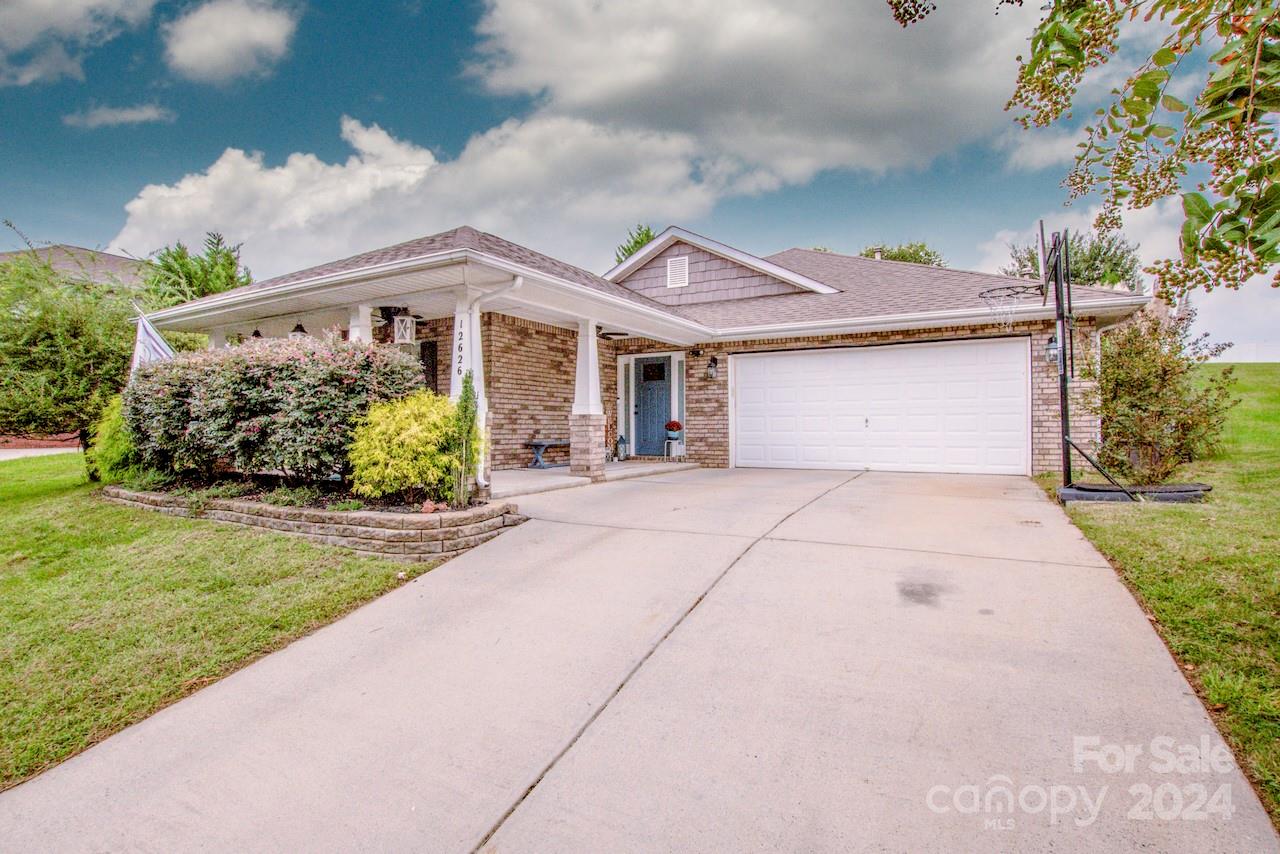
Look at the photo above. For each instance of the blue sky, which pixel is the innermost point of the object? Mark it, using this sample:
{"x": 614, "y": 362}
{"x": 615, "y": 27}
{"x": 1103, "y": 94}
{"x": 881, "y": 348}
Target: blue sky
{"x": 312, "y": 130}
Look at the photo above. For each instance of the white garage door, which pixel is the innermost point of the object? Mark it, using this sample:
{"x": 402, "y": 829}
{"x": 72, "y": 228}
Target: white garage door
{"x": 950, "y": 407}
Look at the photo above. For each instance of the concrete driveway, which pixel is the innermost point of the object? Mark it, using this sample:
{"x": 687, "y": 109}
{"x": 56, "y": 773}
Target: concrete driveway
{"x": 707, "y": 660}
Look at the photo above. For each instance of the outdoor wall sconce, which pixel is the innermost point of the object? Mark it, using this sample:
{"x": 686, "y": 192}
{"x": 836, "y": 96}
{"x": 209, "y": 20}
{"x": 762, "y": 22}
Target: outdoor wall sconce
{"x": 404, "y": 328}
{"x": 713, "y": 368}
{"x": 1051, "y": 350}
{"x": 256, "y": 334}
{"x": 298, "y": 331}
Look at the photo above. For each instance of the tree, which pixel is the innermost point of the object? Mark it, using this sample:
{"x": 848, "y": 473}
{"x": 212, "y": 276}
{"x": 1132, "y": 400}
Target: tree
{"x": 176, "y": 276}
{"x": 1100, "y": 260}
{"x": 1140, "y": 147}
{"x": 915, "y": 253}
{"x": 1159, "y": 408}
{"x": 64, "y": 349}
{"x": 636, "y": 240}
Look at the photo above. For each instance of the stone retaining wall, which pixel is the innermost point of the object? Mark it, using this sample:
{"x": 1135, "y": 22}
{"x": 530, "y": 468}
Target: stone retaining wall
{"x": 398, "y": 536}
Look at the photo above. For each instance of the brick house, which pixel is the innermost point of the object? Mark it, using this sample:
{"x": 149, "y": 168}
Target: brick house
{"x": 803, "y": 359}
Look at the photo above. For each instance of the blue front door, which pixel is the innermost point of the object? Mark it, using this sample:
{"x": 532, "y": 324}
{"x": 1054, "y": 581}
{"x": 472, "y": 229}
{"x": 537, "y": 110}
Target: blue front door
{"x": 653, "y": 404}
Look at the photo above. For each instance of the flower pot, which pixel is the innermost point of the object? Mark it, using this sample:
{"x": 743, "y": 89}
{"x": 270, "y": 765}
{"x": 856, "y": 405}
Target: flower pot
{"x": 673, "y": 434}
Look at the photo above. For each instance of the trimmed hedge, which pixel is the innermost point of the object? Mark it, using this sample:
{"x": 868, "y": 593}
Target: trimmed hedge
{"x": 274, "y": 404}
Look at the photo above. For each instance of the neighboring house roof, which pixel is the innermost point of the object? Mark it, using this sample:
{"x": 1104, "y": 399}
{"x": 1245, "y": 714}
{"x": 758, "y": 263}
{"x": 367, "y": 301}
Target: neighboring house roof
{"x": 866, "y": 287}
{"x": 463, "y": 237}
{"x": 675, "y": 234}
{"x": 88, "y": 264}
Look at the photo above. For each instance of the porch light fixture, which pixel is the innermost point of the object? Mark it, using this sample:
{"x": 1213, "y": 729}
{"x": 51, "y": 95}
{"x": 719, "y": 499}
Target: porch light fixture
{"x": 404, "y": 328}
{"x": 298, "y": 331}
{"x": 713, "y": 368}
{"x": 256, "y": 334}
{"x": 1051, "y": 350}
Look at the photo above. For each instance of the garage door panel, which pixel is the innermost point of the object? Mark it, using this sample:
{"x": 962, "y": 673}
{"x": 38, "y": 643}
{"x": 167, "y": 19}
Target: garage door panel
{"x": 954, "y": 406}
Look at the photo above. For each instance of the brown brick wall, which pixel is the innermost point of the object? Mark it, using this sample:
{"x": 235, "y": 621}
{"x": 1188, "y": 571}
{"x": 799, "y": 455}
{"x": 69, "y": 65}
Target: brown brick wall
{"x": 711, "y": 278}
{"x": 529, "y": 372}
{"x": 707, "y": 401}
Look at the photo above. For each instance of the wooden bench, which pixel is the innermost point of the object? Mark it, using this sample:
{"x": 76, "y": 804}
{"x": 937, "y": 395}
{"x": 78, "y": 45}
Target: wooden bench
{"x": 539, "y": 447}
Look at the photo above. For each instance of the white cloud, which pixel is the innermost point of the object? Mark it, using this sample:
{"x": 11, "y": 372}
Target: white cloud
{"x": 782, "y": 90}
{"x": 98, "y": 117}
{"x": 1249, "y": 317}
{"x": 1033, "y": 150}
{"x": 44, "y": 40}
{"x": 565, "y": 186}
{"x": 224, "y": 39}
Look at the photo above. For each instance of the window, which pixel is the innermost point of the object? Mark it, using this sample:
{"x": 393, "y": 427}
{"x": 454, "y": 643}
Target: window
{"x": 653, "y": 372}
{"x": 678, "y": 271}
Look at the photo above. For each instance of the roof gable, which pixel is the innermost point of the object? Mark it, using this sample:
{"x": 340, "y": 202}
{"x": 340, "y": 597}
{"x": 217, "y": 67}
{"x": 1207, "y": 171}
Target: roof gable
{"x": 700, "y": 276}
{"x": 674, "y": 234}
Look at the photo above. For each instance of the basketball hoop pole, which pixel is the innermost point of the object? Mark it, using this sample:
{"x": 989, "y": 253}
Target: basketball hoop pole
{"x": 1064, "y": 409}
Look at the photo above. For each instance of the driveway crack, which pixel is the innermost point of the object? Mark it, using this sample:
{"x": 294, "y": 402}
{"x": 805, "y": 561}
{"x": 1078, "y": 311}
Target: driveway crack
{"x": 644, "y": 658}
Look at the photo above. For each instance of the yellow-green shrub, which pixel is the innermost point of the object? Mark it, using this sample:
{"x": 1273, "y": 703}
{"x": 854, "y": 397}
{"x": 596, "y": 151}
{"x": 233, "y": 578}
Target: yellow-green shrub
{"x": 112, "y": 456}
{"x": 408, "y": 447}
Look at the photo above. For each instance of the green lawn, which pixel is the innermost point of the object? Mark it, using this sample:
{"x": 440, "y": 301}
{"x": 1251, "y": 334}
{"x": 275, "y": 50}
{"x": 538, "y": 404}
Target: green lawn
{"x": 1210, "y": 574}
{"x": 108, "y": 613}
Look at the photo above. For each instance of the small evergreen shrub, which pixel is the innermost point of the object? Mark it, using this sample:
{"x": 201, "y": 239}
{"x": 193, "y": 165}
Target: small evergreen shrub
{"x": 112, "y": 456}
{"x": 268, "y": 405}
{"x": 466, "y": 444}
{"x": 407, "y": 447}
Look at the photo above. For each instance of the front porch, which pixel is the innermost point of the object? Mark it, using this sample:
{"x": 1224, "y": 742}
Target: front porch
{"x": 508, "y": 483}
{"x": 538, "y": 343}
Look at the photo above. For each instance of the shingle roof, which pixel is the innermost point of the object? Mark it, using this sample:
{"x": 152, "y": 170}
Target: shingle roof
{"x": 868, "y": 288}
{"x": 88, "y": 264}
{"x": 463, "y": 237}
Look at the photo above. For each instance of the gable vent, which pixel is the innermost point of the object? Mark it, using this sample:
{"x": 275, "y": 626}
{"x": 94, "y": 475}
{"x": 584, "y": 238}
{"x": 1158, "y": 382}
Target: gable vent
{"x": 678, "y": 271}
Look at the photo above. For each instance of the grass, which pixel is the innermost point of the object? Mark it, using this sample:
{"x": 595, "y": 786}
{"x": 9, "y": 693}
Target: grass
{"x": 111, "y": 613}
{"x": 1210, "y": 574}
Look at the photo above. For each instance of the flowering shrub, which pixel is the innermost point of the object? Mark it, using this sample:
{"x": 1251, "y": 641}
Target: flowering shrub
{"x": 1159, "y": 408}
{"x": 285, "y": 405}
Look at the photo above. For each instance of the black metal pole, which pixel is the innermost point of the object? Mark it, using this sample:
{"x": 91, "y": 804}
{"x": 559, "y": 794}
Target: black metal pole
{"x": 1064, "y": 410}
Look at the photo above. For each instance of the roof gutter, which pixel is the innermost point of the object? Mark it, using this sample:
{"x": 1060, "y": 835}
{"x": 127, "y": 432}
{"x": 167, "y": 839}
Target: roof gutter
{"x": 214, "y": 305}
{"x": 921, "y": 320}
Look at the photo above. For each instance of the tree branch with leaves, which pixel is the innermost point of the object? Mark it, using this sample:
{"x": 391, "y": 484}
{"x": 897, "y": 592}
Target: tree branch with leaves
{"x": 1142, "y": 146}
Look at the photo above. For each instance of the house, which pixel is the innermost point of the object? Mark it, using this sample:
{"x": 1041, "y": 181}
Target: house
{"x": 90, "y": 265}
{"x": 799, "y": 359}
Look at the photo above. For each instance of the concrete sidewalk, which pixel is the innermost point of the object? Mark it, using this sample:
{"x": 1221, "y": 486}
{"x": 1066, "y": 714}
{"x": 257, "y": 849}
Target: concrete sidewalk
{"x": 705, "y": 660}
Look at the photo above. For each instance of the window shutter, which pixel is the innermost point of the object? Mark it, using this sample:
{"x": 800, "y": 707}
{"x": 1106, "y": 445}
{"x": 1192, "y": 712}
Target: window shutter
{"x": 678, "y": 271}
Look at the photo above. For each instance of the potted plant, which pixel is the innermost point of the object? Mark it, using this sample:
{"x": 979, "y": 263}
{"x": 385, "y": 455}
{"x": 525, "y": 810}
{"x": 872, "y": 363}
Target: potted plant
{"x": 673, "y": 429}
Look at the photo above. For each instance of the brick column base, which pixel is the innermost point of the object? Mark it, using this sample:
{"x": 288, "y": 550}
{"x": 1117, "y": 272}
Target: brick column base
{"x": 586, "y": 446}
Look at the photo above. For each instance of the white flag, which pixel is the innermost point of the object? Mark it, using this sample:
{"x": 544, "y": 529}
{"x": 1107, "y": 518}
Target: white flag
{"x": 148, "y": 346}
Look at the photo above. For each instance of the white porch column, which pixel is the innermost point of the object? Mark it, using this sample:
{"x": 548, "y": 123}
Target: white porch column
{"x": 468, "y": 352}
{"x": 360, "y": 324}
{"x": 586, "y": 387}
{"x": 217, "y": 339}
{"x": 586, "y": 423}
{"x": 468, "y": 355}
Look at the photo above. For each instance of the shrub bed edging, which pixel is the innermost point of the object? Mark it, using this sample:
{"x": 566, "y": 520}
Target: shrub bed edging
{"x": 397, "y": 536}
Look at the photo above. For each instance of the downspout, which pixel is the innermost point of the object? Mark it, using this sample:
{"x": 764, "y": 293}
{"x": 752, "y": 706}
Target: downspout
{"x": 482, "y": 414}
